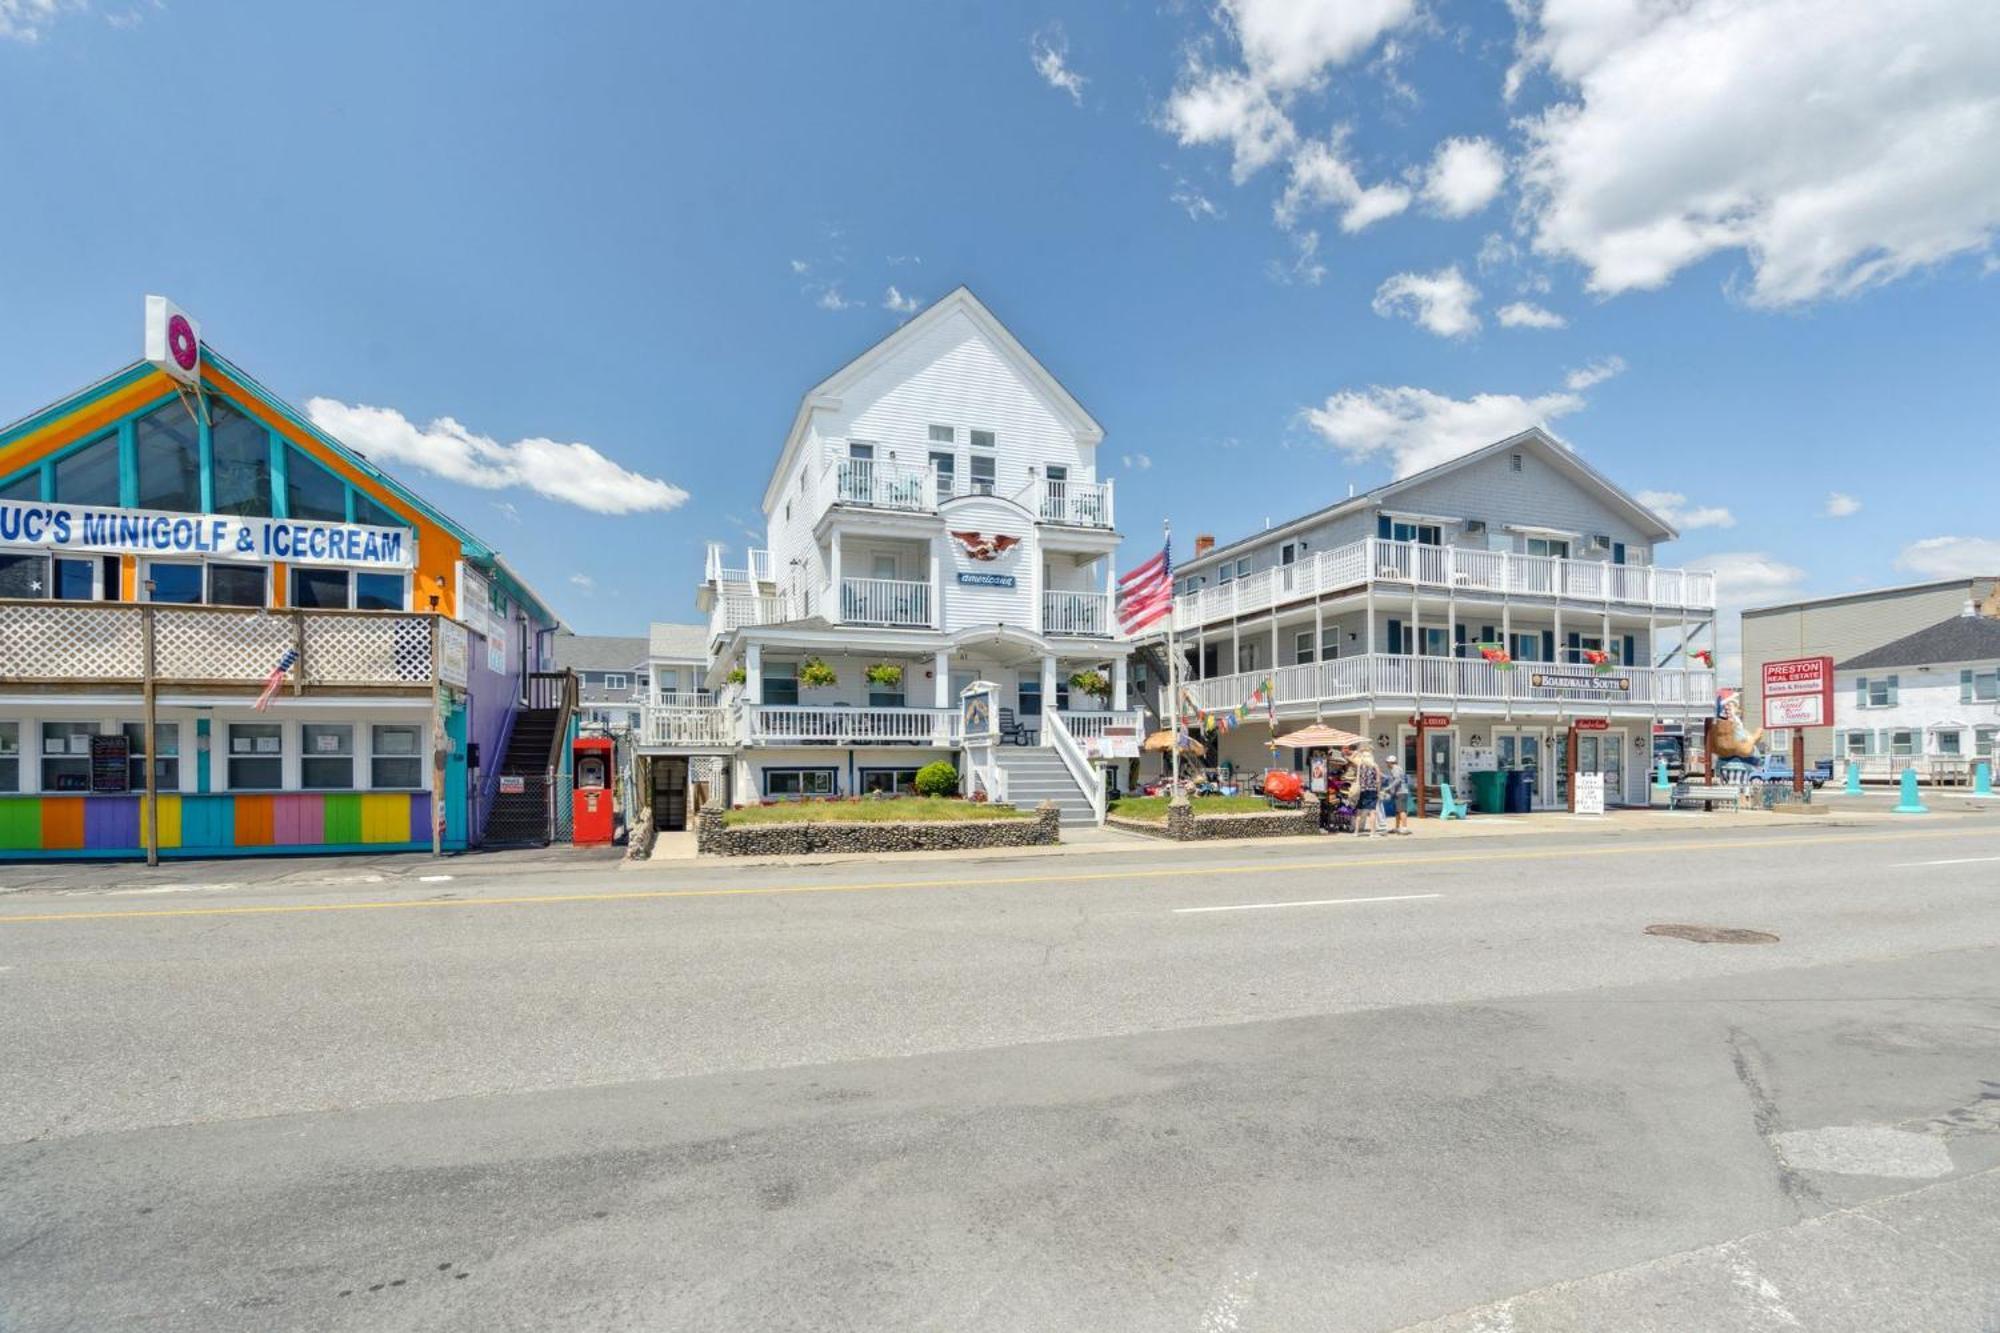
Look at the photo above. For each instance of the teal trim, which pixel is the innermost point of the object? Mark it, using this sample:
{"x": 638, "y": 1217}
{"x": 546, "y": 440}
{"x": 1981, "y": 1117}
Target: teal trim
{"x": 62, "y": 407}
{"x": 205, "y": 449}
{"x": 201, "y": 732}
{"x": 455, "y": 778}
{"x": 281, "y": 477}
{"x": 48, "y": 472}
{"x": 128, "y": 464}
{"x": 347, "y": 498}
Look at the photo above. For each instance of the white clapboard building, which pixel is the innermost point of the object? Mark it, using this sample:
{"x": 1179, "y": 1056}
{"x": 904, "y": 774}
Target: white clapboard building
{"x": 935, "y": 515}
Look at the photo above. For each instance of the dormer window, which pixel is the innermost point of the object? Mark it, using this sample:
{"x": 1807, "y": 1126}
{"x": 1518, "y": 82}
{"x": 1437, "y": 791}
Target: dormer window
{"x": 981, "y": 439}
{"x": 944, "y": 435}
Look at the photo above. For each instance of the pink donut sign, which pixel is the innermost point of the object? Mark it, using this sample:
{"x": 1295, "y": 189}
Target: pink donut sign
{"x": 173, "y": 340}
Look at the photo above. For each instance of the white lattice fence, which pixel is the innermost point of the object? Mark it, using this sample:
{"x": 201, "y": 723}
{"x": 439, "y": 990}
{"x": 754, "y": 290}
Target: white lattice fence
{"x": 218, "y": 645}
{"x": 56, "y": 642}
{"x": 368, "y": 650}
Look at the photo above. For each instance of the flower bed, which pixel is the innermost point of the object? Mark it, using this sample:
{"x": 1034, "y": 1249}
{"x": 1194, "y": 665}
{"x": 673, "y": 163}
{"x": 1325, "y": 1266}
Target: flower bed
{"x": 896, "y": 810}
{"x": 1216, "y": 817}
{"x": 871, "y": 826}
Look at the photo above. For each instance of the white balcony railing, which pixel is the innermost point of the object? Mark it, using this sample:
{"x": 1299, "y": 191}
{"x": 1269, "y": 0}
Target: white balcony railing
{"x": 690, "y": 726}
{"x": 1450, "y": 569}
{"x": 756, "y": 569}
{"x": 82, "y": 641}
{"x": 1445, "y": 680}
{"x": 1092, "y": 726}
{"x": 897, "y": 602}
{"x": 881, "y": 483}
{"x": 1076, "y": 613}
{"x": 773, "y": 724}
{"x": 737, "y": 606}
{"x": 1077, "y": 504}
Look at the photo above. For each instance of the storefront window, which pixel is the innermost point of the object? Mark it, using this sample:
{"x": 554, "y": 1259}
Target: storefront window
{"x": 256, "y": 756}
{"x": 367, "y": 511}
{"x": 395, "y": 760}
{"x": 174, "y": 581}
{"x": 326, "y": 756}
{"x": 167, "y": 768}
{"x": 311, "y": 491}
{"x": 168, "y": 449}
{"x": 10, "y": 756}
{"x": 241, "y": 450}
{"x": 238, "y": 585}
{"x": 378, "y": 592}
{"x": 320, "y": 589}
{"x": 90, "y": 475}
{"x": 27, "y": 486}
{"x": 66, "y": 755}
{"x": 24, "y": 575}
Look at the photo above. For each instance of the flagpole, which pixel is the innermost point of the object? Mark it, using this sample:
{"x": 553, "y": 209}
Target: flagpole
{"x": 1173, "y": 669}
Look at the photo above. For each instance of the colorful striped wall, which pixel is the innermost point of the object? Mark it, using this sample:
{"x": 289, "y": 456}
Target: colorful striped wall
{"x": 217, "y": 825}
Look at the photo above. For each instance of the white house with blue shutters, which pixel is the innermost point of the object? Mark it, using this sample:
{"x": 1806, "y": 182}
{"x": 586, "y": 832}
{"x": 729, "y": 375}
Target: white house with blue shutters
{"x": 1928, "y": 701}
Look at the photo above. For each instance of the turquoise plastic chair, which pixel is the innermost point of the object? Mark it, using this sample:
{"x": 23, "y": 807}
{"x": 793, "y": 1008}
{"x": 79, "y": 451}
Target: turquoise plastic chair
{"x": 1448, "y": 806}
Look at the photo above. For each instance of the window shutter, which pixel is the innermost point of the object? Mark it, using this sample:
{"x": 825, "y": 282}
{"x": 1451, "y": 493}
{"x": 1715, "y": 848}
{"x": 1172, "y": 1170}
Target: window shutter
{"x": 1965, "y": 685}
{"x": 1548, "y": 645}
{"x": 1892, "y": 691}
{"x": 1861, "y": 691}
{"x": 1395, "y": 636}
{"x": 1631, "y": 649}
{"x": 1575, "y": 647}
{"x": 1458, "y": 640}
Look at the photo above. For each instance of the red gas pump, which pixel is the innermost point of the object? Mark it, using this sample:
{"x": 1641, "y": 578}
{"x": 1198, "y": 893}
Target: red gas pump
{"x": 590, "y": 763}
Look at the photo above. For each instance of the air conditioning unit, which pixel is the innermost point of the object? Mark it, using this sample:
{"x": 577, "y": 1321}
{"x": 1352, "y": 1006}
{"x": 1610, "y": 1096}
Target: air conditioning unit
{"x": 1475, "y": 525}
{"x": 1599, "y": 542}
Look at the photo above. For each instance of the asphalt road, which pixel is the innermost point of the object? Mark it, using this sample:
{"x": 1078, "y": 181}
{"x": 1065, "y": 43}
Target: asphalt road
{"x": 1252, "y": 1087}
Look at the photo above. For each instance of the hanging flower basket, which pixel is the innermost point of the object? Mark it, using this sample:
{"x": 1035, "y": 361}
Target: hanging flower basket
{"x": 885, "y": 675}
{"x": 736, "y": 676}
{"x": 1091, "y": 683}
{"x": 817, "y": 675}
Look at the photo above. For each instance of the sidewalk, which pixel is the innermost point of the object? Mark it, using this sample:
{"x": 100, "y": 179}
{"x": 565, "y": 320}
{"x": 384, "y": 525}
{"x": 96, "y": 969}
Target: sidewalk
{"x": 136, "y": 878}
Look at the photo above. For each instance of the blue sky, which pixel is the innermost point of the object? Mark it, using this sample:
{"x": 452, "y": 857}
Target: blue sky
{"x": 1241, "y": 234}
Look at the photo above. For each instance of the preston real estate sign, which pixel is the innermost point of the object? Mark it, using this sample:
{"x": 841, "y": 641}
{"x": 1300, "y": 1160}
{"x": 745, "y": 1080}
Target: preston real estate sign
{"x": 1798, "y": 692}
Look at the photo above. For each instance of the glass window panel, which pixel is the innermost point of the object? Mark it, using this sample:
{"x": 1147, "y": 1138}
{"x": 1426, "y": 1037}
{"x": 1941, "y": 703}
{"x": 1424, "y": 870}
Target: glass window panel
{"x": 1947, "y": 743}
{"x": 167, "y": 446}
{"x": 395, "y": 760}
{"x": 367, "y": 511}
{"x": 311, "y": 491}
{"x": 781, "y": 686}
{"x": 90, "y": 475}
{"x": 173, "y": 582}
{"x": 981, "y": 439}
{"x": 326, "y": 755}
{"x": 167, "y": 767}
{"x": 24, "y": 575}
{"x": 319, "y": 589}
{"x": 378, "y": 592}
{"x": 75, "y": 580}
{"x": 10, "y": 756}
{"x": 982, "y": 474}
{"x": 27, "y": 486}
{"x": 241, "y": 450}
{"x": 237, "y": 585}
{"x": 256, "y": 756}
{"x": 66, "y": 755}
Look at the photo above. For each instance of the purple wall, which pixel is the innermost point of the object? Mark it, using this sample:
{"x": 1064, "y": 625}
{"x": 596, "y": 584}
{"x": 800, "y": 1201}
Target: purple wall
{"x": 493, "y": 699}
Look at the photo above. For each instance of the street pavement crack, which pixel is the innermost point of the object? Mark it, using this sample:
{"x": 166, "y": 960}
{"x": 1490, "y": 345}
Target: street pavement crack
{"x": 1764, "y": 1116}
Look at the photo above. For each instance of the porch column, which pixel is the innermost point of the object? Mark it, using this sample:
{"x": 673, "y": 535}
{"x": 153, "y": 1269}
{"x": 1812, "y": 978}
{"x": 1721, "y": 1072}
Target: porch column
{"x": 1118, "y": 685}
{"x": 834, "y": 598}
{"x": 753, "y": 672}
{"x": 1048, "y": 689}
{"x": 937, "y": 591}
{"x": 941, "y": 679}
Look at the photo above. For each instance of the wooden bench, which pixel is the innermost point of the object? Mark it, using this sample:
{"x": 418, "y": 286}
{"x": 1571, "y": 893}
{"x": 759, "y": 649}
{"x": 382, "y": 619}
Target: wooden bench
{"x": 1708, "y": 795}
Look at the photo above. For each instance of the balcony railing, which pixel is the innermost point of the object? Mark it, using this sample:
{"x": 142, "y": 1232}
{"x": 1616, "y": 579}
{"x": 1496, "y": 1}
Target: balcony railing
{"x": 881, "y": 483}
{"x": 677, "y": 725}
{"x": 737, "y": 606}
{"x": 896, "y": 602}
{"x": 756, "y": 569}
{"x": 1077, "y": 504}
{"x": 52, "y": 642}
{"x": 1076, "y": 613}
{"x": 1450, "y": 569}
{"x": 1367, "y": 677}
{"x": 1092, "y": 726}
{"x": 794, "y": 725}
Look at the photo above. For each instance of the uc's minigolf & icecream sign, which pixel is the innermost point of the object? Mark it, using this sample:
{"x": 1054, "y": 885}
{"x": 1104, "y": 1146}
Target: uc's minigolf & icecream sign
{"x": 93, "y": 530}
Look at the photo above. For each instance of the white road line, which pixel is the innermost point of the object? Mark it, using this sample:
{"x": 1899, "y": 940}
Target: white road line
{"x": 1955, "y": 861}
{"x": 1315, "y": 902}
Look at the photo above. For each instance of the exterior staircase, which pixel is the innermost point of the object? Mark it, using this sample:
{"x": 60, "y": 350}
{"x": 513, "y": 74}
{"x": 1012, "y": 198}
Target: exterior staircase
{"x": 525, "y": 818}
{"x": 1036, "y": 773}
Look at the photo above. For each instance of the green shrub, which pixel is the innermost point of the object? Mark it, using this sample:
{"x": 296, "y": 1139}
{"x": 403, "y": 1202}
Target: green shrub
{"x": 937, "y": 779}
{"x": 815, "y": 674}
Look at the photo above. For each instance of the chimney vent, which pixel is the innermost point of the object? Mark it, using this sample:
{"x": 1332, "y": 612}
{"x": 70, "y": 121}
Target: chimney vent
{"x": 1203, "y": 544}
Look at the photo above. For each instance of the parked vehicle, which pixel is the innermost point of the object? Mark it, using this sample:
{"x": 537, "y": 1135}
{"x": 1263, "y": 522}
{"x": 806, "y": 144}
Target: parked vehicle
{"x": 1775, "y": 769}
{"x": 1672, "y": 748}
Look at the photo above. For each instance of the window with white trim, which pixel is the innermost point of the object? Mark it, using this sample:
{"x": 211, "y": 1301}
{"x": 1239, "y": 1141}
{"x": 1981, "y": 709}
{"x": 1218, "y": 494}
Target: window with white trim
{"x": 1302, "y": 644}
{"x": 1875, "y": 691}
{"x": 792, "y": 784}
{"x": 10, "y": 756}
{"x": 1983, "y": 739}
{"x": 326, "y": 756}
{"x": 1948, "y": 743}
{"x": 943, "y": 434}
{"x": 617, "y": 680}
{"x": 256, "y": 756}
{"x": 1978, "y": 687}
{"x": 395, "y": 756}
{"x": 1903, "y": 744}
{"x": 166, "y": 766}
{"x": 888, "y": 781}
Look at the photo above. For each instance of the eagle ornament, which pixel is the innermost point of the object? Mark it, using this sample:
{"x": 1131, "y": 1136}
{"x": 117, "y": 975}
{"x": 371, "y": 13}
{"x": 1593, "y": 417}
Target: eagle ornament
{"x": 985, "y": 548}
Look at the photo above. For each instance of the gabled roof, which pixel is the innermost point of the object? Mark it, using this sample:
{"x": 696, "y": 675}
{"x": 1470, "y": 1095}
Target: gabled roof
{"x": 600, "y": 652}
{"x": 1657, "y": 528}
{"x": 960, "y": 300}
{"x": 1960, "y": 639}
{"x": 686, "y": 643}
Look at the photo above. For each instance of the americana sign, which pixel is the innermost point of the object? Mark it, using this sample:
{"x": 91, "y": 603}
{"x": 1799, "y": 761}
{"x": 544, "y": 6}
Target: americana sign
{"x": 91, "y": 529}
{"x": 1798, "y": 692}
{"x": 980, "y": 579}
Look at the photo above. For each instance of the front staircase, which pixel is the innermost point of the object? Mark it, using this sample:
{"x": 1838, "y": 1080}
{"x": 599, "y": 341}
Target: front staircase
{"x": 1036, "y": 773}
{"x": 526, "y": 818}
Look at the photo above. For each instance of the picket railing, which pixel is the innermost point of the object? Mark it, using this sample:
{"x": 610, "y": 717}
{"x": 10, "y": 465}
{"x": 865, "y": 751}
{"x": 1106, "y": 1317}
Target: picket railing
{"x": 1368, "y": 676}
{"x": 896, "y": 602}
{"x": 1076, "y": 613}
{"x": 788, "y": 724}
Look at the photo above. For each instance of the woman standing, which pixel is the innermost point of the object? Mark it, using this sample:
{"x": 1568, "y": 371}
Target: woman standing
{"x": 1367, "y": 794}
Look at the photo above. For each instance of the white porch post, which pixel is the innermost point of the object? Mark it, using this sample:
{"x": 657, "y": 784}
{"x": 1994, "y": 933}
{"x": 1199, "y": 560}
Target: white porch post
{"x": 753, "y": 672}
{"x": 1048, "y": 692}
{"x": 1118, "y": 682}
{"x": 941, "y": 680}
{"x": 835, "y": 598}
{"x": 937, "y": 588}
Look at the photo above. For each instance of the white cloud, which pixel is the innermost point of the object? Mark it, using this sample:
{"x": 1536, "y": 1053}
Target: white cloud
{"x": 1441, "y": 302}
{"x": 571, "y": 473}
{"x": 1194, "y": 203}
{"x": 1743, "y": 579}
{"x": 1305, "y": 268}
{"x": 1836, "y": 146}
{"x": 27, "y": 20}
{"x": 1465, "y": 176}
{"x": 897, "y": 301}
{"x": 1839, "y": 504}
{"x": 1951, "y": 557}
{"x": 1674, "y": 507}
{"x": 1220, "y": 107}
{"x": 1528, "y": 315}
{"x": 583, "y": 581}
{"x": 507, "y": 510}
{"x": 1136, "y": 462}
{"x": 1417, "y": 428}
{"x": 1050, "y": 52}
{"x": 800, "y": 266}
{"x": 1321, "y": 176}
{"x": 830, "y": 298}
{"x": 897, "y": 260}
{"x": 1594, "y": 373}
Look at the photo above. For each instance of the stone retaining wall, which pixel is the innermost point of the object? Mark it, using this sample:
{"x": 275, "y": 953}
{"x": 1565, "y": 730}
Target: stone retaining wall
{"x": 714, "y": 838}
{"x": 1183, "y": 825}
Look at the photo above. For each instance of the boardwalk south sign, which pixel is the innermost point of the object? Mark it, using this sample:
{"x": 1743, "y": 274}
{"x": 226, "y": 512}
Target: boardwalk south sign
{"x": 84, "y": 528}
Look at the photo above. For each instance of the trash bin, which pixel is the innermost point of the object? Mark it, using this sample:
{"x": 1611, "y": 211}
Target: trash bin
{"x": 1520, "y": 791}
{"x": 1489, "y": 792}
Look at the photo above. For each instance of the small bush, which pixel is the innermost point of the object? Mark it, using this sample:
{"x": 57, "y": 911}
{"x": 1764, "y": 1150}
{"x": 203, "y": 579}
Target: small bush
{"x": 937, "y": 779}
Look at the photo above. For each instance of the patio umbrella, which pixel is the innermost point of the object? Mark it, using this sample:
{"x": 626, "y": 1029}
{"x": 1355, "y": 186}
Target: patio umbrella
{"x": 1163, "y": 741}
{"x": 1319, "y": 736}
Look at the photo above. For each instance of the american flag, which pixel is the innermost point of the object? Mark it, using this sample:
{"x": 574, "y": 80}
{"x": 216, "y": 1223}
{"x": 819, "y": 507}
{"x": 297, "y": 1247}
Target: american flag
{"x": 276, "y": 678}
{"x": 1147, "y": 593}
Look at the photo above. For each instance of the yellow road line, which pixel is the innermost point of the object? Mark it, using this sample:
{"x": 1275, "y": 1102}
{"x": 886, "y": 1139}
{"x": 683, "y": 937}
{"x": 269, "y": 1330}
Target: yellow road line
{"x": 1073, "y": 877}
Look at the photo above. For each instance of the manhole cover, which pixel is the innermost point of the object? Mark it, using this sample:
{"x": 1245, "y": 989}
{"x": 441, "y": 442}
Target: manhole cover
{"x": 1713, "y": 934}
